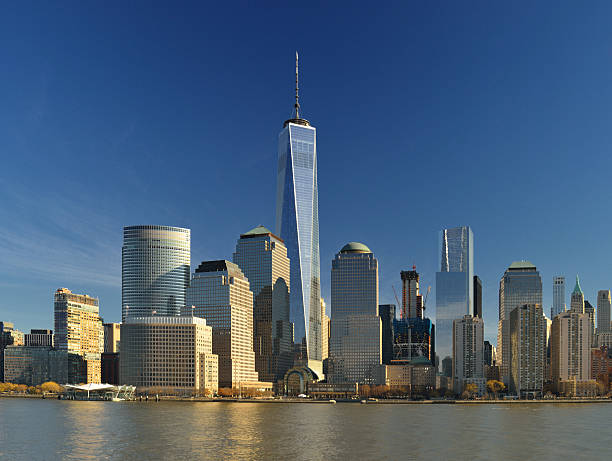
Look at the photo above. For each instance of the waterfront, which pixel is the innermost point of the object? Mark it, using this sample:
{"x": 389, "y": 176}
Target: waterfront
{"x": 36, "y": 429}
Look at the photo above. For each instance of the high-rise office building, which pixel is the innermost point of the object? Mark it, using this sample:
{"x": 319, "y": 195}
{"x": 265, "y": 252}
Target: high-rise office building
{"x": 154, "y": 270}
{"x": 220, "y": 293}
{"x": 468, "y": 352}
{"x": 577, "y": 299}
{"x": 355, "y": 340}
{"x": 477, "y": 297}
{"x": 488, "y": 353}
{"x": 603, "y": 311}
{"x": 454, "y": 288}
{"x": 168, "y": 352}
{"x": 325, "y": 320}
{"x": 297, "y": 223}
{"x": 112, "y": 337}
{"x": 589, "y": 309}
{"x": 79, "y": 330}
{"x": 262, "y": 257}
{"x": 527, "y": 350}
{"x": 387, "y": 317}
{"x": 558, "y": 296}
{"x": 521, "y": 284}
{"x": 412, "y": 300}
{"x": 571, "y": 347}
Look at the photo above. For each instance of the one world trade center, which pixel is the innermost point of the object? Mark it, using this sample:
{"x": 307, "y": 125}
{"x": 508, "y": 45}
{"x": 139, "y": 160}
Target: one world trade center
{"x": 297, "y": 223}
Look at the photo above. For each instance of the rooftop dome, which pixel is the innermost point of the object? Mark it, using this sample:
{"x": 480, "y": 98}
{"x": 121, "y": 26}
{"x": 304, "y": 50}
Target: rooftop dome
{"x": 355, "y": 247}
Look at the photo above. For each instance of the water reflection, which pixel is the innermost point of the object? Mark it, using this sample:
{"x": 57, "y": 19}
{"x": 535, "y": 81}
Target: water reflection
{"x": 44, "y": 429}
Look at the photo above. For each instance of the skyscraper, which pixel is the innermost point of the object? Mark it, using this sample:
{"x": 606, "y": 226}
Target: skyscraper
{"x": 387, "y": 316}
{"x": 468, "y": 352}
{"x": 577, "y": 300}
{"x": 454, "y": 288}
{"x": 527, "y": 350}
{"x": 262, "y": 257}
{"x": 219, "y": 292}
{"x": 558, "y": 296}
{"x": 355, "y": 340}
{"x": 521, "y": 284}
{"x": 412, "y": 300}
{"x": 154, "y": 270}
{"x": 325, "y": 321}
{"x": 297, "y": 223}
{"x": 79, "y": 331}
{"x": 570, "y": 348}
{"x": 603, "y": 311}
{"x": 477, "y": 297}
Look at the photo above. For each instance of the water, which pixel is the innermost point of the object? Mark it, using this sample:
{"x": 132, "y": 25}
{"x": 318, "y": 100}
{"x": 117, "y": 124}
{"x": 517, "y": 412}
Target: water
{"x": 33, "y": 429}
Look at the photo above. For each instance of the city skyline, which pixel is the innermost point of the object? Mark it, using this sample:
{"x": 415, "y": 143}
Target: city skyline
{"x": 45, "y": 246}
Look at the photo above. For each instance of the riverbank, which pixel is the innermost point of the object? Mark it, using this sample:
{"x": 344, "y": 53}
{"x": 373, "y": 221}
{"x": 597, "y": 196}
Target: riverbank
{"x": 325, "y": 401}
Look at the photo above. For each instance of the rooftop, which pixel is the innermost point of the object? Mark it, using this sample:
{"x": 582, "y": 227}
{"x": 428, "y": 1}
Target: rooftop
{"x": 521, "y": 265}
{"x": 355, "y": 247}
{"x": 258, "y": 232}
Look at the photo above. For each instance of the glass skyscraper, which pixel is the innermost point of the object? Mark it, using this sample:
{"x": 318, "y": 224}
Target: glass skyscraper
{"x": 297, "y": 223}
{"x": 521, "y": 284}
{"x": 355, "y": 343}
{"x": 155, "y": 268}
{"x": 454, "y": 289}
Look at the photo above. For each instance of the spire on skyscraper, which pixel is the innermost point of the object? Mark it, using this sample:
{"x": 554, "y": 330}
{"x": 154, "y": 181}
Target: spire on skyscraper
{"x": 297, "y": 89}
{"x": 577, "y": 289}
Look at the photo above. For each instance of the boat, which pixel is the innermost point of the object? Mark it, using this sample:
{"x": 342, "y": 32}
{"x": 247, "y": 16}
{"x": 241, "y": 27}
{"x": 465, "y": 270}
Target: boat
{"x": 332, "y": 401}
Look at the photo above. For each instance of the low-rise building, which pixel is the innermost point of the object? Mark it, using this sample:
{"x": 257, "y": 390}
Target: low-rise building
{"x": 34, "y": 365}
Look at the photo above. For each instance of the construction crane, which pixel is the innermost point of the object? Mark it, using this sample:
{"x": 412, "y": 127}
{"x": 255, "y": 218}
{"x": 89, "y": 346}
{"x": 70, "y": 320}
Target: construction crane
{"x": 397, "y": 300}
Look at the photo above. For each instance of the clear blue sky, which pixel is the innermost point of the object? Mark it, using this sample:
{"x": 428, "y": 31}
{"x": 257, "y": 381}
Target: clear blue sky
{"x": 429, "y": 115}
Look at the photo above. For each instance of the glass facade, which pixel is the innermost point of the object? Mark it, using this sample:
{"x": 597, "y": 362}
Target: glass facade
{"x": 355, "y": 349}
{"x": 521, "y": 284}
{"x": 454, "y": 287}
{"x": 297, "y": 223}
{"x": 154, "y": 270}
{"x": 558, "y": 296}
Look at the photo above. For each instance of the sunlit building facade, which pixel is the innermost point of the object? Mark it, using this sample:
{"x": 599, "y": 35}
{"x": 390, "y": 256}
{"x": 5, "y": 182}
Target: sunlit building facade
{"x": 521, "y": 284}
{"x": 220, "y": 293}
{"x": 355, "y": 349}
{"x": 168, "y": 352}
{"x": 262, "y": 257}
{"x": 468, "y": 351}
{"x": 454, "y": 288}
{"x": 571, "y": 339}
{"x": 154, "y": 270}
{"x": 79, "y": 330}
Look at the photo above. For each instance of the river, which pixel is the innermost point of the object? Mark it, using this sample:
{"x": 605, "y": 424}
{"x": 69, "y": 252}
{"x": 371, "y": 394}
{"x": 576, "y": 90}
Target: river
{"x": 35, "y": 429}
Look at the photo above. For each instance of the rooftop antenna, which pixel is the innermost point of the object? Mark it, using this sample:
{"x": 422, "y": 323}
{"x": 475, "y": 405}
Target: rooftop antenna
{"x": 297, "y": 89}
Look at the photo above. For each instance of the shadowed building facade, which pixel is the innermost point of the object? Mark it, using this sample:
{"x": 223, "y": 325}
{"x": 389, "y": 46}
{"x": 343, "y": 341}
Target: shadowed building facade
{"x": 262, "y": 257}
{"x": 521, "y": 284}
{"x": 355, "y": 340}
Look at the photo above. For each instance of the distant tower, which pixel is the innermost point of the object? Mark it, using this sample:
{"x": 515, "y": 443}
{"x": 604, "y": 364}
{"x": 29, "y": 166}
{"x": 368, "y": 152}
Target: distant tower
{"x": 454, "y": 288}
{"x": 521, "y": 284}
{"x": 558, "y": 296}
{"x": 603, "y": 311}
{"x": 477, "y": 297}
{"x": 468, "y": 351}
{"x": 412, "y": 301}
{"x": 577, "y": 303}
{"x": 297, "y": 223}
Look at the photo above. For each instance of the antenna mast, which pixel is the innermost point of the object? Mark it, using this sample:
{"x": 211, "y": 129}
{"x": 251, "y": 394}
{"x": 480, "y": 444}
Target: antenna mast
{"x": 297, "y": 88}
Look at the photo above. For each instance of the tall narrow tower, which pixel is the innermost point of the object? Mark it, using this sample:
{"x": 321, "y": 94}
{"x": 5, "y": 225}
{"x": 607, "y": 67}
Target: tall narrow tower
{"x": 297, "y": 223}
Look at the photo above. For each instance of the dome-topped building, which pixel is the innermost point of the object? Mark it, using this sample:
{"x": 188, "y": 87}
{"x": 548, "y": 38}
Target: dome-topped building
{"x": 355, "y": 247}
